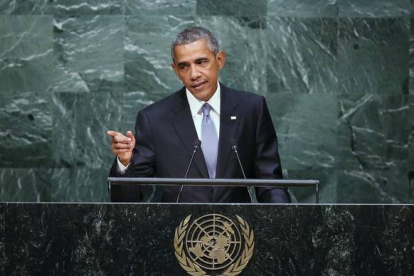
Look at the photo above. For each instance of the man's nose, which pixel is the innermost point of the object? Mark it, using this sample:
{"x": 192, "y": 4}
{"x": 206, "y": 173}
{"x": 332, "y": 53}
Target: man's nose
{"x": 195, "y": 73}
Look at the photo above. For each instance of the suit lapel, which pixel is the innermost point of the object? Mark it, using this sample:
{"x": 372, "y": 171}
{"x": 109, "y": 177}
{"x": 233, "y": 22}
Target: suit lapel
{"x": 229, "y": 122}
{"x": 184, "y": 125}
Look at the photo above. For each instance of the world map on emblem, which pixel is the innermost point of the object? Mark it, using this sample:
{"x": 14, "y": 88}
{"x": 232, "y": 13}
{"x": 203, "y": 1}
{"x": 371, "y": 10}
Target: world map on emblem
{"x": 213, "y": 242}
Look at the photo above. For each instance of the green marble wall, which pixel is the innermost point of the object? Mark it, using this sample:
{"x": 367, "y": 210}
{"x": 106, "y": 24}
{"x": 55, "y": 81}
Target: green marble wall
{"x": 338, "y": 77}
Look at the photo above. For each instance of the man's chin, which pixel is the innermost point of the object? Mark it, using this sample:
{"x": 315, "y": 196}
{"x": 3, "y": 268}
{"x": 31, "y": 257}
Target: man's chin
{"x": 201, "y": 95}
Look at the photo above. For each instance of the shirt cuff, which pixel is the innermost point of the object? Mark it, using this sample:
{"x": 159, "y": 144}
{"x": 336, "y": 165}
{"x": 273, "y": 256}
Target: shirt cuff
{"x": 121, "y": 168}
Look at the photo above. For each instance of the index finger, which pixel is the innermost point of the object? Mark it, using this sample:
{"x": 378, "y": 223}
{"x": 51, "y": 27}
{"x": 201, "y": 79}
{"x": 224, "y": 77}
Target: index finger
{"x": 117, "y": 136}
{"x": 113, "y": 133}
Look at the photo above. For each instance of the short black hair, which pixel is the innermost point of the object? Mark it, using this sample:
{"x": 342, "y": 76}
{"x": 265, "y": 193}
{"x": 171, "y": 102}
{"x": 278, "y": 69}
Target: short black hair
{"x": 192, "y": 34}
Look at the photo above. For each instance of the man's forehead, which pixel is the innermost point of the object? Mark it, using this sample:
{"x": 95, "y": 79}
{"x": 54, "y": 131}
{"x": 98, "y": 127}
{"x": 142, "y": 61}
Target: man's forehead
{"x": 192, "y": 51}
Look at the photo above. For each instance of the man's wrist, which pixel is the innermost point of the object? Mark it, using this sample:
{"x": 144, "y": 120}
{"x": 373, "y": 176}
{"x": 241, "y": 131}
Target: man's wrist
{"x": 121, "y": 167}
{"x": 125, "y": 162}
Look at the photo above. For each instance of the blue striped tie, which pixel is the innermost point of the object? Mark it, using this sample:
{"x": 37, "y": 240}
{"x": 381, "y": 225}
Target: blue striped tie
{"x": 209, "y": 140}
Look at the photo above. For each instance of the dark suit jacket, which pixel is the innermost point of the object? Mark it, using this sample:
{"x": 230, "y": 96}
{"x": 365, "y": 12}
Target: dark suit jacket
{"x": 165, "y": 136}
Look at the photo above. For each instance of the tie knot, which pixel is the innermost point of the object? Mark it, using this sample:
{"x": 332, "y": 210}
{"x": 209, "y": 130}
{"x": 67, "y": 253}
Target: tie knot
{"x": 206, "y": 109}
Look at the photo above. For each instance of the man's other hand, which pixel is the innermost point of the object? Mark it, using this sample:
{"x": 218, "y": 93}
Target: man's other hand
{"x": 122, "y": 146}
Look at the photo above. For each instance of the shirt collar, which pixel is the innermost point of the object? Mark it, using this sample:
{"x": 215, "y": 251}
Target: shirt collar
{"x": 196, "y": 104}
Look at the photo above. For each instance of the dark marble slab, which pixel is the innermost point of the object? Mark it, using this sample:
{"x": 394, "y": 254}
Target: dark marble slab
{"x": 61, "y": 7}
{"x": 373, "y": 55}
{"x": 71, "y": 239}
{"x": 232, "y": 7}
{"x": 412, "y": 8}
{"x": 411, "y": 149}
{"x": 7, "y": 6}
{"x": 299, "y": 124}
{"x": 243, "y": 41}
{"x": 375, "y": 186}
{"x": 91, "y": 7}
{"x": 65, "y": 129}
{"x": 303, "y": 8}
{"x": 76, "y": 184}
{"x": 411, "y": 135}
{"x": 24, "y": 185}
{"x": 26, "y": 132}
{"x": 79, "y": 184}
{"x": 2, "y": 238}
{"x": 328, "y": 192}
{"x": 90, "y": 55}
{"x": 378, "y": 8}
{"x": 25, "y": 7}
{"x": 133, "y": 102}
{"x": 120, "y": 51}
{"x": 148, "y": 53}
{"x": 301, "y": 55}
{"x": 411, "y": 51}
{"x": 80, "y": 124}
{"x": 26, "y": 61}
{"x": 160, "y": 7}
{"x": 373, "y": 132}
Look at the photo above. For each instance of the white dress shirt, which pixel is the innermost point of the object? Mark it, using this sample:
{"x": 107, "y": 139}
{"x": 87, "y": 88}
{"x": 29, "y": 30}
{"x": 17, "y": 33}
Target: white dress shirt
{"x": 197, "y": 111}
{"x": 197, "y": 114}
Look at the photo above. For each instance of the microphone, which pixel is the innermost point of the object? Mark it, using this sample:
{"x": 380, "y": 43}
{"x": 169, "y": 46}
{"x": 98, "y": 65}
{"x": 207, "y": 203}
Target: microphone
{"x": 234, "y": 147}
{"x": 197, "y": 144}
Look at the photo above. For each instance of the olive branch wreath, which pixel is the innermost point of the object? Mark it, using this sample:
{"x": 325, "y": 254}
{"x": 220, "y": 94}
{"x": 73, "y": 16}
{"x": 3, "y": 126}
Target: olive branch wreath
{"x": 195, "y": 270}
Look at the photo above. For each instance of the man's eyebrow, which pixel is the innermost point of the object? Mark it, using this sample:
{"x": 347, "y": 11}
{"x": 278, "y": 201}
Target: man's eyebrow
{"x": 182, "y": 64}
{"x": 201, "y": 59}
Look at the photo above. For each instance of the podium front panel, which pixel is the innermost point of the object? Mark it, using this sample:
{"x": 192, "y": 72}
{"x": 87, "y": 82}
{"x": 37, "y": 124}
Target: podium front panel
{"x": 145, "y": 239}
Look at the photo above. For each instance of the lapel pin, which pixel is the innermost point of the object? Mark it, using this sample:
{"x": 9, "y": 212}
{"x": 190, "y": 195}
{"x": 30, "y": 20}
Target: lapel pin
{"x": 233, "y": 118}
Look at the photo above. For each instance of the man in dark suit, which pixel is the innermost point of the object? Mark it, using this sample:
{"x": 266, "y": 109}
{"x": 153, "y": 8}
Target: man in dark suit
{"x": 203, "y": 109}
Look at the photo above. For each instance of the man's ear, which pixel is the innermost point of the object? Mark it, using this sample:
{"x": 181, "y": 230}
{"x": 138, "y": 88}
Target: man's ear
{"x": 221, "y": 59}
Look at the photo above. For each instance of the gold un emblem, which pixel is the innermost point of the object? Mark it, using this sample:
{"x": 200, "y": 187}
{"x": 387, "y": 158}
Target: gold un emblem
{"x": 213, "y": 244}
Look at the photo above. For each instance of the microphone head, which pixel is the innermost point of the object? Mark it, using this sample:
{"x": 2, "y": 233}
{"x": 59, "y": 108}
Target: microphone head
{"x": 233, "y": 143}
{"x": 197, "y": 143}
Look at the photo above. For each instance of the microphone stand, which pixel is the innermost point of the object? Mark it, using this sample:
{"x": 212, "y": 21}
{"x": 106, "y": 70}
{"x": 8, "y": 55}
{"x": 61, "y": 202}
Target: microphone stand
{"x": 197, "y": 144}
{"x": 241, "y": 167}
